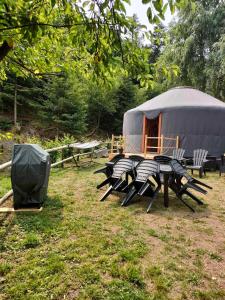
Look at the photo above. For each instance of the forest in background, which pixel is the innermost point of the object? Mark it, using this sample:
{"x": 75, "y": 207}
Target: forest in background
{"x": 80, "y": 68}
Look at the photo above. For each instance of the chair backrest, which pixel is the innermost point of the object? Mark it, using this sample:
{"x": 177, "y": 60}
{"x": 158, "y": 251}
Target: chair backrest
{"x": 122, "y": 166}
{"x": 117, "y": 157}
{"x": 137, "y": 158}
{"x": 178, "y": 169}
{"x": 146, "y": 168}
{"x": 162, "y": 159}
{"x": 178, "y": 153}
{"x": 199, "y": 156}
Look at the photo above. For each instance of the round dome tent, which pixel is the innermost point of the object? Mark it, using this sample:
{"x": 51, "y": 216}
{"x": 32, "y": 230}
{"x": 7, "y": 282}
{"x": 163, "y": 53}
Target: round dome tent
{"x": 198, "y": 119}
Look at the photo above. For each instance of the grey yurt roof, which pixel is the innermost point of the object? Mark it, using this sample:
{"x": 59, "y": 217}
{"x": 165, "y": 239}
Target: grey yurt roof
{"x": 180, "y": 97}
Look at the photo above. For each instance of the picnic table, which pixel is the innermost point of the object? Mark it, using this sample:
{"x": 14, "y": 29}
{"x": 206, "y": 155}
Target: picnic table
{"x": 80, "y": 147}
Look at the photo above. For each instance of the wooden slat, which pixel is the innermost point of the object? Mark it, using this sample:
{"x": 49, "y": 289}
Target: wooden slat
{"x": 57, "y": 148}
{"x": 177, "y": 142}
{"x": 162, "y": 144}
{"x": 146, "y": 141}
{"x": 167, "y": 138}
{"x": 6, "y": 196}
{"x": 61, "y": 161}
{"x": 153, "y": 138}
{"x": 5, "y": 165}
{"x": 159, "y": 132}
{"x": 143, "y": 134}
{"x": 11, "y": 209}
{"x": 157, "y": 147}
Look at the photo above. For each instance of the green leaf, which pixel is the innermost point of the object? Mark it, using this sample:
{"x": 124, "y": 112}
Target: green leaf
{"x": 85, "y": 3}
{"x": 158, "y": 5}
{"x": 146, "y": 1}
{"x": 172, "y": 6}
{"x": 149, "y": 14}
{"x": 127, "y": 1}
{"x": 164, "y": 8}
{"x": 156, "y": 20}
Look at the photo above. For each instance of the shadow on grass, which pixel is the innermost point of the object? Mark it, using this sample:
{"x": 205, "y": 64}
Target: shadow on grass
{"x": 46, "y": 220}
{"x": 176, "y": 208}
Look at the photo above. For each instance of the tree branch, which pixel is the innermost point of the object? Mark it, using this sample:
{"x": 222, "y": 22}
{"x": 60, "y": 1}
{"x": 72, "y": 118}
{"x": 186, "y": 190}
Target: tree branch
{"x": 19, "y": 63}
{"x": 4, "y": 49}
{"x": 55, "y": 25}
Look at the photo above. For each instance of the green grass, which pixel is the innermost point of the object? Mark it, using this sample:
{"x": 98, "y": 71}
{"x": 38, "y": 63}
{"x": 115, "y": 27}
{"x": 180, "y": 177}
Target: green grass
{"x": 79, "y": 248}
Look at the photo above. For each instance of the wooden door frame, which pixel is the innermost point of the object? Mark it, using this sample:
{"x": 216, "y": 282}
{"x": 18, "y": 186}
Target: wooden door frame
{"x": 144, "y": 132}
{"x": 159, "y": 132}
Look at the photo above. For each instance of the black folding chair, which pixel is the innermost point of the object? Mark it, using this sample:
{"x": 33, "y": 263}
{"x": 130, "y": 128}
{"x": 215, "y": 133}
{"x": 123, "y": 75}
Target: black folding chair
{"x": 108, "y": 169}
{"x": 136, "y": 158}
{"x": 181, "y": 188}
{"x": 119, "y": 178}
{"x": 199, "y": 159}
{"x": 143, "y": 185}
{"x": 163, "y": 159}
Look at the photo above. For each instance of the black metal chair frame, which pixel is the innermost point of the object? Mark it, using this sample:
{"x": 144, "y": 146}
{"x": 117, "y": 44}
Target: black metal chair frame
{"x": 143, "y": 185}
{"x": 163, "y": 159}
{"x": 119, "y": 178}
{"x": 136, "y": 158}
{"x": 108, "y": 169}
{"x": 180, "y": 188}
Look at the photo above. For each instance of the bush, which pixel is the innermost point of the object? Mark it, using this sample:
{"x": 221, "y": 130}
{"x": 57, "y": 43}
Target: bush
{"x": 66, "y": 139}
{"x": 5, "y": 124}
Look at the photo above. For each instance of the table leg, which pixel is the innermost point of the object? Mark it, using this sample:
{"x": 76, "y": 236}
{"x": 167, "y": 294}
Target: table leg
{"x": 166, "y": 194}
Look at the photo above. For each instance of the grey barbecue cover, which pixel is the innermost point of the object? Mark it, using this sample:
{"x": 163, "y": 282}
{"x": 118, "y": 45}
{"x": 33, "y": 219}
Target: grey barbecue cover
{"x": 29, "y": 175}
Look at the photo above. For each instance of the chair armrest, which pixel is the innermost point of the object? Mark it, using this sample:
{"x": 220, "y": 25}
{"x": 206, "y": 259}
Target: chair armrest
{"x": 102, "y": 170}
{"x": 189, "y": 160}
{"x": 205, "y": 161}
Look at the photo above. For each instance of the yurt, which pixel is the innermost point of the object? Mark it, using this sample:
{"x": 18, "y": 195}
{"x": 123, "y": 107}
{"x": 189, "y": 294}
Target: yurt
{"x": 181, "y": 117}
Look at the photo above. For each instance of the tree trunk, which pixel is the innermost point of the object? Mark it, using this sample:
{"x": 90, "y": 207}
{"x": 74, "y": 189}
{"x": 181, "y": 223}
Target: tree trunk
{"x": 15, "y": 106}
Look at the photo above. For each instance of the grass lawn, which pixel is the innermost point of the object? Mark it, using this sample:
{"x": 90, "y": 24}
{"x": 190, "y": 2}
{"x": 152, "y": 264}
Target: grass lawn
{"x": 79, "y": 248}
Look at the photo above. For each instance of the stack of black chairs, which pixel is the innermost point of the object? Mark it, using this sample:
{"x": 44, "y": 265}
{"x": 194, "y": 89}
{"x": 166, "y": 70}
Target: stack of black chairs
{"x": 136, "y": 176}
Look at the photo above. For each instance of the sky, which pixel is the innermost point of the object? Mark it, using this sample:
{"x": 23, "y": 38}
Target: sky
{"x": 136, "y": 7}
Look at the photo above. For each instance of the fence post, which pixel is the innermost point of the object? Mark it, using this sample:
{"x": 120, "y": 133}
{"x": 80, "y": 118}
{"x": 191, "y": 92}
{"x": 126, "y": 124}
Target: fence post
{"x": 62, "y": 156}
{"x": 112, "y": 143}
{"x": 161, "y": 147}
{"x": 177, "y": 142}
{"x": 145, "y": 145}
{"x": 123, "y": 142}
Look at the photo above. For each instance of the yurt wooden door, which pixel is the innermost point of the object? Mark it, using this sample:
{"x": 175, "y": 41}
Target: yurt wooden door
{"x": 152, "y": 128}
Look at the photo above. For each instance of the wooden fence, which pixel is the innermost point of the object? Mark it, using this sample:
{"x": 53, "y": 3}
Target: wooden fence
{"x": 62, "y": 161}
{"x": 117, "y": 143}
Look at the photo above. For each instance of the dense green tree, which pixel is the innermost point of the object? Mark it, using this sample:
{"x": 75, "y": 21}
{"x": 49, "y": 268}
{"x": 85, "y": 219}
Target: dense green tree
{"x": 17, "y": 97}
{"x": 124, "y": 96}
{"x": 64, "y": 107}
{"x": 89, "y": 56}
{"x": 196, "y": 45}
{"x": 40, "y": 37}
